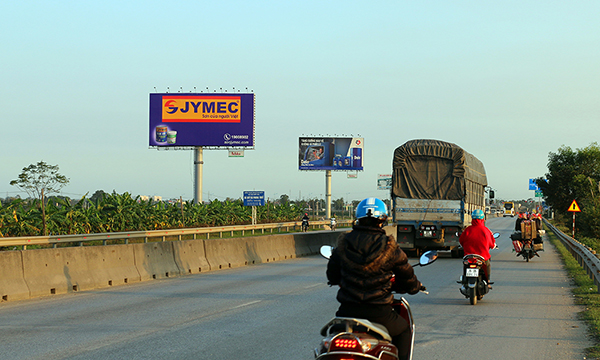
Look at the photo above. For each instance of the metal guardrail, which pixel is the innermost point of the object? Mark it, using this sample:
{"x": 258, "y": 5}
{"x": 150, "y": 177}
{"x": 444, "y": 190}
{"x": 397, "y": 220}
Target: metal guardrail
{"x": 585, "y": 256}
{"x": 25, "y": 241}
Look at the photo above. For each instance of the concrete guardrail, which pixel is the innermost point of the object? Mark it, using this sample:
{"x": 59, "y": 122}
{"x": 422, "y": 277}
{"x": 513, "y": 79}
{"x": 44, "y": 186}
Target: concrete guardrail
{"x": 33, "y": 273}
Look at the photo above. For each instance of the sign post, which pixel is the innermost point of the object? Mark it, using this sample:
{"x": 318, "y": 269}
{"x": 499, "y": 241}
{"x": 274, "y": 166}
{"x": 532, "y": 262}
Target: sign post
{"x": 254, "y": 199}
{"x": 574, "y": 208}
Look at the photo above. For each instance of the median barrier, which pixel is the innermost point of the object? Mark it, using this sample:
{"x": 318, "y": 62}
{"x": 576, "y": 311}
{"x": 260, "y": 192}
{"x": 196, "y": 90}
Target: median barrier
{"x": 230, "y": 253}
{"x": 301, "y": 246}
{"x": 267, "y": 246}
{"x": 51, "y": 271}
{"x": 190, "y": 256}
{"x": 156, "y": 260}
{"x": 34, "y": 273}
{"x": 12, "y": 282}
{"x": 323, "y": 238}
{"x": 111, "y": 265}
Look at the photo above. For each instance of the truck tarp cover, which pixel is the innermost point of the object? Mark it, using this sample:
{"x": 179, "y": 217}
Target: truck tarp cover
{"x": 433, "y": 169}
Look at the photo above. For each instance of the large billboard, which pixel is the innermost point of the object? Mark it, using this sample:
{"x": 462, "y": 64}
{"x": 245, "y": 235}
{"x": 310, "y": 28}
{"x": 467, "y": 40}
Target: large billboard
{"x": 330, "y": 153}
{"x": 211, "y": 120}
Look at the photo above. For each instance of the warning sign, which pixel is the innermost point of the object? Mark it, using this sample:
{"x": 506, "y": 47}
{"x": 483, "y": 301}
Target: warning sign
{"x": 574, "y": 207}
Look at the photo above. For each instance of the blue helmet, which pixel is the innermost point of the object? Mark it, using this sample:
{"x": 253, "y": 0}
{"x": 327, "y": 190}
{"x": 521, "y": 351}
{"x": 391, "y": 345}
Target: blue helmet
{"x": 478, "y": 214}
{"x": 371, "y": 207}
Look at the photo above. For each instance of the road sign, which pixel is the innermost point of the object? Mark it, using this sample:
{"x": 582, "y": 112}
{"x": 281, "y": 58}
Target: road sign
{"x": 574, "y": 207}
{"x": 254, "y": 198}
{"x": 533, "y": 185}
{"x": 538, "y": 193}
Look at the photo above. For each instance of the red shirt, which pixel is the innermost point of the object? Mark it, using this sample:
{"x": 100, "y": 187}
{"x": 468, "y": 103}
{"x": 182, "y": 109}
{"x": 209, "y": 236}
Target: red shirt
{"x": 477, "y": 239}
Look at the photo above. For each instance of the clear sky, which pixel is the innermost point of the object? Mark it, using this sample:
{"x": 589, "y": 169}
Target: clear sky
{"x": 509, "y": 81}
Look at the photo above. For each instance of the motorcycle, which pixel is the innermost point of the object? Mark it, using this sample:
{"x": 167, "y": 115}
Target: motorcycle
{"x": 527, "y": 248}
{"x": 474, "y": 280}
{"x": 304, "y": 225}
{"x": 353, "y": 338}
{"x": 332, "y": 224}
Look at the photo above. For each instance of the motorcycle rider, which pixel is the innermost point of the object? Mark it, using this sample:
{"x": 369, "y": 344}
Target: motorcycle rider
{"x": 478, "y": 239}
{"x": 305, "y": 221}
{"x": 363, "y": 264}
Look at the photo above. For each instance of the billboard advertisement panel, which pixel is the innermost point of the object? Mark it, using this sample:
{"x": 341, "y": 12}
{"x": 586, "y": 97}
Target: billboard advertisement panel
{"x": 212, "y": 120}
{"x": 330, "y": 153}
{"x": 384, "y": 181}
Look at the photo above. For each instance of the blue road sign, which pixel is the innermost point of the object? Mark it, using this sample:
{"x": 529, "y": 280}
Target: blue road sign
{"x": 254, "y": 198}
{"x": 533, "y": 185}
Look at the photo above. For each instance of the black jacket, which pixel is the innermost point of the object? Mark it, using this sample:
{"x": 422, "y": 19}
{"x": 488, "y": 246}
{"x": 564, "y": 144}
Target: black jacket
{"x": 363, "y": 263}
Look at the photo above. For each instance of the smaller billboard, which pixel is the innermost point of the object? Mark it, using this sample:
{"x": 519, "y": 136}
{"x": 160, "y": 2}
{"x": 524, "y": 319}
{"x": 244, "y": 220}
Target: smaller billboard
{"x": 330, "y": 153}
{"x": 384, "y": 181}
{"x": 254, "y": 198}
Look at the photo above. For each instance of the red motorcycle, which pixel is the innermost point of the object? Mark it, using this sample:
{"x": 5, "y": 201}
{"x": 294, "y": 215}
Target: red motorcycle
{"x": 353, "y": 338}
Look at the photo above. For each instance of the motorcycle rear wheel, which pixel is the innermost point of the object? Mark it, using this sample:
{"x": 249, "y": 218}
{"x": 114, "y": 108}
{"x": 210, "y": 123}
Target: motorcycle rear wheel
{"x": 473, "y": 296}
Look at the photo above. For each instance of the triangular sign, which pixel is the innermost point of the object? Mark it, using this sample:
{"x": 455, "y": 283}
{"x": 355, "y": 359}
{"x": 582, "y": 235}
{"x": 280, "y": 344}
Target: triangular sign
{"x": 574, "y": 207}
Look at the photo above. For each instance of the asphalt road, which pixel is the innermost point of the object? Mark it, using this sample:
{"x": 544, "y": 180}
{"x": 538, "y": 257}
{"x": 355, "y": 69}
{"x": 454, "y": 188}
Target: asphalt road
{"x": 275, "y": 311}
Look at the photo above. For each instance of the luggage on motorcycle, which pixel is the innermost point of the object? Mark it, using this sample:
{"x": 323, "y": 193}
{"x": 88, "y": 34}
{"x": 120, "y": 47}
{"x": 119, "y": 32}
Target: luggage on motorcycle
{"x": 528, "y": 229}
{"x": 538, "y": 247}
{"x": 518, "y": 245}
{"x": 516, "y": 236}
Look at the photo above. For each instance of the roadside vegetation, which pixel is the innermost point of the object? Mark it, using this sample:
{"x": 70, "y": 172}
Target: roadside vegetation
{"x": 585, "y": 291}
{"x": 574, "y": 175}
{"x": 122, "y": 212}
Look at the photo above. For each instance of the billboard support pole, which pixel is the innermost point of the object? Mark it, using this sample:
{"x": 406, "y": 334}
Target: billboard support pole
{"x": 198, "y": 162}
{"x": 328, "y": 193}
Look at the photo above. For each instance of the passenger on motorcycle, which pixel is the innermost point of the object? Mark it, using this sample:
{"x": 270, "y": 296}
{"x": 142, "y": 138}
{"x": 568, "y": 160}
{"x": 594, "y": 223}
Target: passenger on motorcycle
{"x": 478, "y": 239}
{"x": 363, "y": 264}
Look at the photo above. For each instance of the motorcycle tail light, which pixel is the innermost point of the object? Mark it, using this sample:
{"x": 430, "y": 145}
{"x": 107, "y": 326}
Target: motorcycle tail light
{"x": 345, "y": 343}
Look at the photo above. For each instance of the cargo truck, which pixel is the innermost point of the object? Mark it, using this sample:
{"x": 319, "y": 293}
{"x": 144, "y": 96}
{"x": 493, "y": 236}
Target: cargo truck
{"x": 436, "y": 185}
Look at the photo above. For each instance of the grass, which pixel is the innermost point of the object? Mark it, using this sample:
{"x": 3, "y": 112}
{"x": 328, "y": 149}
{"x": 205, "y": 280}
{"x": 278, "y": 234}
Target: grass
{"x": 585, "y": 292}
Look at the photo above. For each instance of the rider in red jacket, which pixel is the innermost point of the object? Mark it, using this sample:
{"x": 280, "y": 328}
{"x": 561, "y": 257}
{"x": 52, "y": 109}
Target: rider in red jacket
{"x": 478, "y": 239}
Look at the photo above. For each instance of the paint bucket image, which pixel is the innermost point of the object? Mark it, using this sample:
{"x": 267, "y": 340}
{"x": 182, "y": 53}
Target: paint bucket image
{"x": 347, "y": 161}
{"x": 161, "y": 134}
{"x": 171, "y": 137}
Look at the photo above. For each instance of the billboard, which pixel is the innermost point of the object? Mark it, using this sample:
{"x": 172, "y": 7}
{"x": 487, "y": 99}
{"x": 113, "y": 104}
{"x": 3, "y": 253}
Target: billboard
{"x": 330, "y": 153}
{"x": 192, "y": 120}
{"x": 384, "y": 181}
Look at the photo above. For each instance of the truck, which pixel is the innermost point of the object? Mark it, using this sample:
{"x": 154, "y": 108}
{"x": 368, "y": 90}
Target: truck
{"x": 436, "y": 185}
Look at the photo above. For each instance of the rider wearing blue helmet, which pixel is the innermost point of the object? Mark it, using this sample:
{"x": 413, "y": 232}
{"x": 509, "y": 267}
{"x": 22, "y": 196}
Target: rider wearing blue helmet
{"x": 478, "y": 239}
{"x": 363, "y": 264}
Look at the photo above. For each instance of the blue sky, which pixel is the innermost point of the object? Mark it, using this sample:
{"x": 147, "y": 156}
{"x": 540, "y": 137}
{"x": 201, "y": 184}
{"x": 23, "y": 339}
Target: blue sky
{"x": 508, "y": 81}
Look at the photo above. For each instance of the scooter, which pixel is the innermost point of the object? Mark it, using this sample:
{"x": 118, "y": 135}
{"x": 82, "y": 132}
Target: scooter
{"x": 332, "y": 224}
{"x": 353, "y": 338}
{"x": 474, "y": 280}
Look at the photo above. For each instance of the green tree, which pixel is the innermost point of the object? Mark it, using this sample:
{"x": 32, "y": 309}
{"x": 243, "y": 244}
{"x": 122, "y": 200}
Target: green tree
{"x": 39, "y": 180}
{"x": 574, "y": 175}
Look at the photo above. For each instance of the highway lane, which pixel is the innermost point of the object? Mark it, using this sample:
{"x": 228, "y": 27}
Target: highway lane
{"x": 274, "y": 311}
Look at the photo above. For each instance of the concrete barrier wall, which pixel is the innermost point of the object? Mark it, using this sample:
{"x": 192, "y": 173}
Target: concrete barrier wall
{"x": 34, "y": 273}
{"x": 190, "y": 256}
{"x": 12, "y": 280}
{"x": 155, "y": 260}
{"x": 58, "y": 271}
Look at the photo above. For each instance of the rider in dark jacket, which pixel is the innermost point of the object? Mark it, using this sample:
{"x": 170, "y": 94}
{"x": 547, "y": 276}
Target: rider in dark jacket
{"x": 363, "y": 264}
